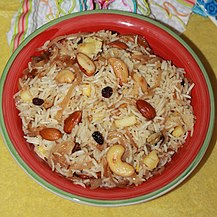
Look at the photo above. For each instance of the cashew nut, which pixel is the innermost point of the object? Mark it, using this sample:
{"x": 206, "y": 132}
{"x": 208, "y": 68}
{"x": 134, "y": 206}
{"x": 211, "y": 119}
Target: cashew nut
{"x": 65, "y": 76}
{"x": 120, "y": 69}
{"x": 115, "y": 163}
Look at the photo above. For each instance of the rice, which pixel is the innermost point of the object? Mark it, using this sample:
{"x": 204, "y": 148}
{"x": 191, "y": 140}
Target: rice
{"x": 46, "y": 103}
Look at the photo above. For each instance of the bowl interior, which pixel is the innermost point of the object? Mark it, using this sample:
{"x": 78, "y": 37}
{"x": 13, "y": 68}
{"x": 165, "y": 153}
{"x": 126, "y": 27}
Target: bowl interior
{"x": 164, "y": 44}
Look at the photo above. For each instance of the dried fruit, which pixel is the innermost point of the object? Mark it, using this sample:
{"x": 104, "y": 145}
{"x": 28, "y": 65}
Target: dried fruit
{"x": 151, "y": 160}
{"x": 120, "y": 69}
{"x": 86, "y": 90}
{"x": 178, "y": 131}
{"x": 146, "y": 109}
{"x": 41, "y": 151}
{"x": 107, "y": 92}
{"x": 37, "y": 101}
{"x": 26, "y": 96}
{"x": 72, "y": 120}
{"x": 98, "y": 137}
{"x": 77, "y": 147}
{"x": 86, "y": 65}
{"x": 51, "y": 134}
{"x": 65, "y": 76}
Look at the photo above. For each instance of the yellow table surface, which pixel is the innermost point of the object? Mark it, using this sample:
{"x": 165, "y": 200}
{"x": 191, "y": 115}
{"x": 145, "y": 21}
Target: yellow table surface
{"x": 21, "y": 196}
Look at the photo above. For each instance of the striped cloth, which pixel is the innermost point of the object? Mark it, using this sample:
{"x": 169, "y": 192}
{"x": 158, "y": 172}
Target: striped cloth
{"x": 34, "y": 13}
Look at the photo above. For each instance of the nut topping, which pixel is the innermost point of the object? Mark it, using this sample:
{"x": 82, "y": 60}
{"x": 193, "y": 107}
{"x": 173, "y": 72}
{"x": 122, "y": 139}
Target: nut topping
{"x": 51, "y": 134}
{"x": 65, "y": 76}
{"x": 86, "y": 65}
{"x": 120, "y": 69}
{"x": 146, "y": 109}
{"x": 116, "y": 164}
{"x": 72, "y": 120}
{"x": 118, "y": 44}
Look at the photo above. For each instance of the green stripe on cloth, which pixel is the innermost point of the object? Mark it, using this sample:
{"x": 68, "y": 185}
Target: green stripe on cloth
{"x": 27, "y": 20}
{"x": 19, "y": 14}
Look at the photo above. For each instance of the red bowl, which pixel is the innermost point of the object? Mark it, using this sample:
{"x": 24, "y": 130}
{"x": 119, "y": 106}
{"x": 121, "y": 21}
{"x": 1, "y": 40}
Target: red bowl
{"x": 166, "y": 44}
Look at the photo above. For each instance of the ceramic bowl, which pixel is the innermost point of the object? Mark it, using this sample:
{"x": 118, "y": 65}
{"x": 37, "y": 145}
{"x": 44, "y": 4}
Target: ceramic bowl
{"x": 166, "y": 44}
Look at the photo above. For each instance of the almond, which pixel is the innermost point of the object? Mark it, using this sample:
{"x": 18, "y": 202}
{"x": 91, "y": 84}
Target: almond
{"x": 86, "y": 65}
{"x": 118, "y": 44}
{"x": 146, "y": 109}
{"x": 120, "y": 69}
{"x": 72, "y": 120}
{"x": 51, "y": 134}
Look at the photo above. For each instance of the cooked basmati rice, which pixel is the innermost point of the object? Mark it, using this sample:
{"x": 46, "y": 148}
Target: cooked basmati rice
{"x": 77, "y": 155}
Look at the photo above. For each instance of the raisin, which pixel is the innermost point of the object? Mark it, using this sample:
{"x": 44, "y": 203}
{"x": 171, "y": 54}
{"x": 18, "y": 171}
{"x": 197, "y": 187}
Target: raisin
{"x": 107, "y": 92}
{"x": 37, "y": 101}
{"x": 97, "y": 136}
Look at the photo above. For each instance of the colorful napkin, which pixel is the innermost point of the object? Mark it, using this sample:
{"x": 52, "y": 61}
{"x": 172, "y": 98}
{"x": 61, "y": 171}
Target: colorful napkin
{"x": 34, "y": 13}
{"x": 207, "y": 8}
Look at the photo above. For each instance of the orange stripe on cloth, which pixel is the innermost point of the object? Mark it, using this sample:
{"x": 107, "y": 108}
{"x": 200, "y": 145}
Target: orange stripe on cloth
{"x": 168, "y": 5}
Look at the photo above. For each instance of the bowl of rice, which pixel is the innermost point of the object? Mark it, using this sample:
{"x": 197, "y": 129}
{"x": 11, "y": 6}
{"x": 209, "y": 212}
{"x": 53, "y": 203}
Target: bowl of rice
{"x": 114, "y": 111}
